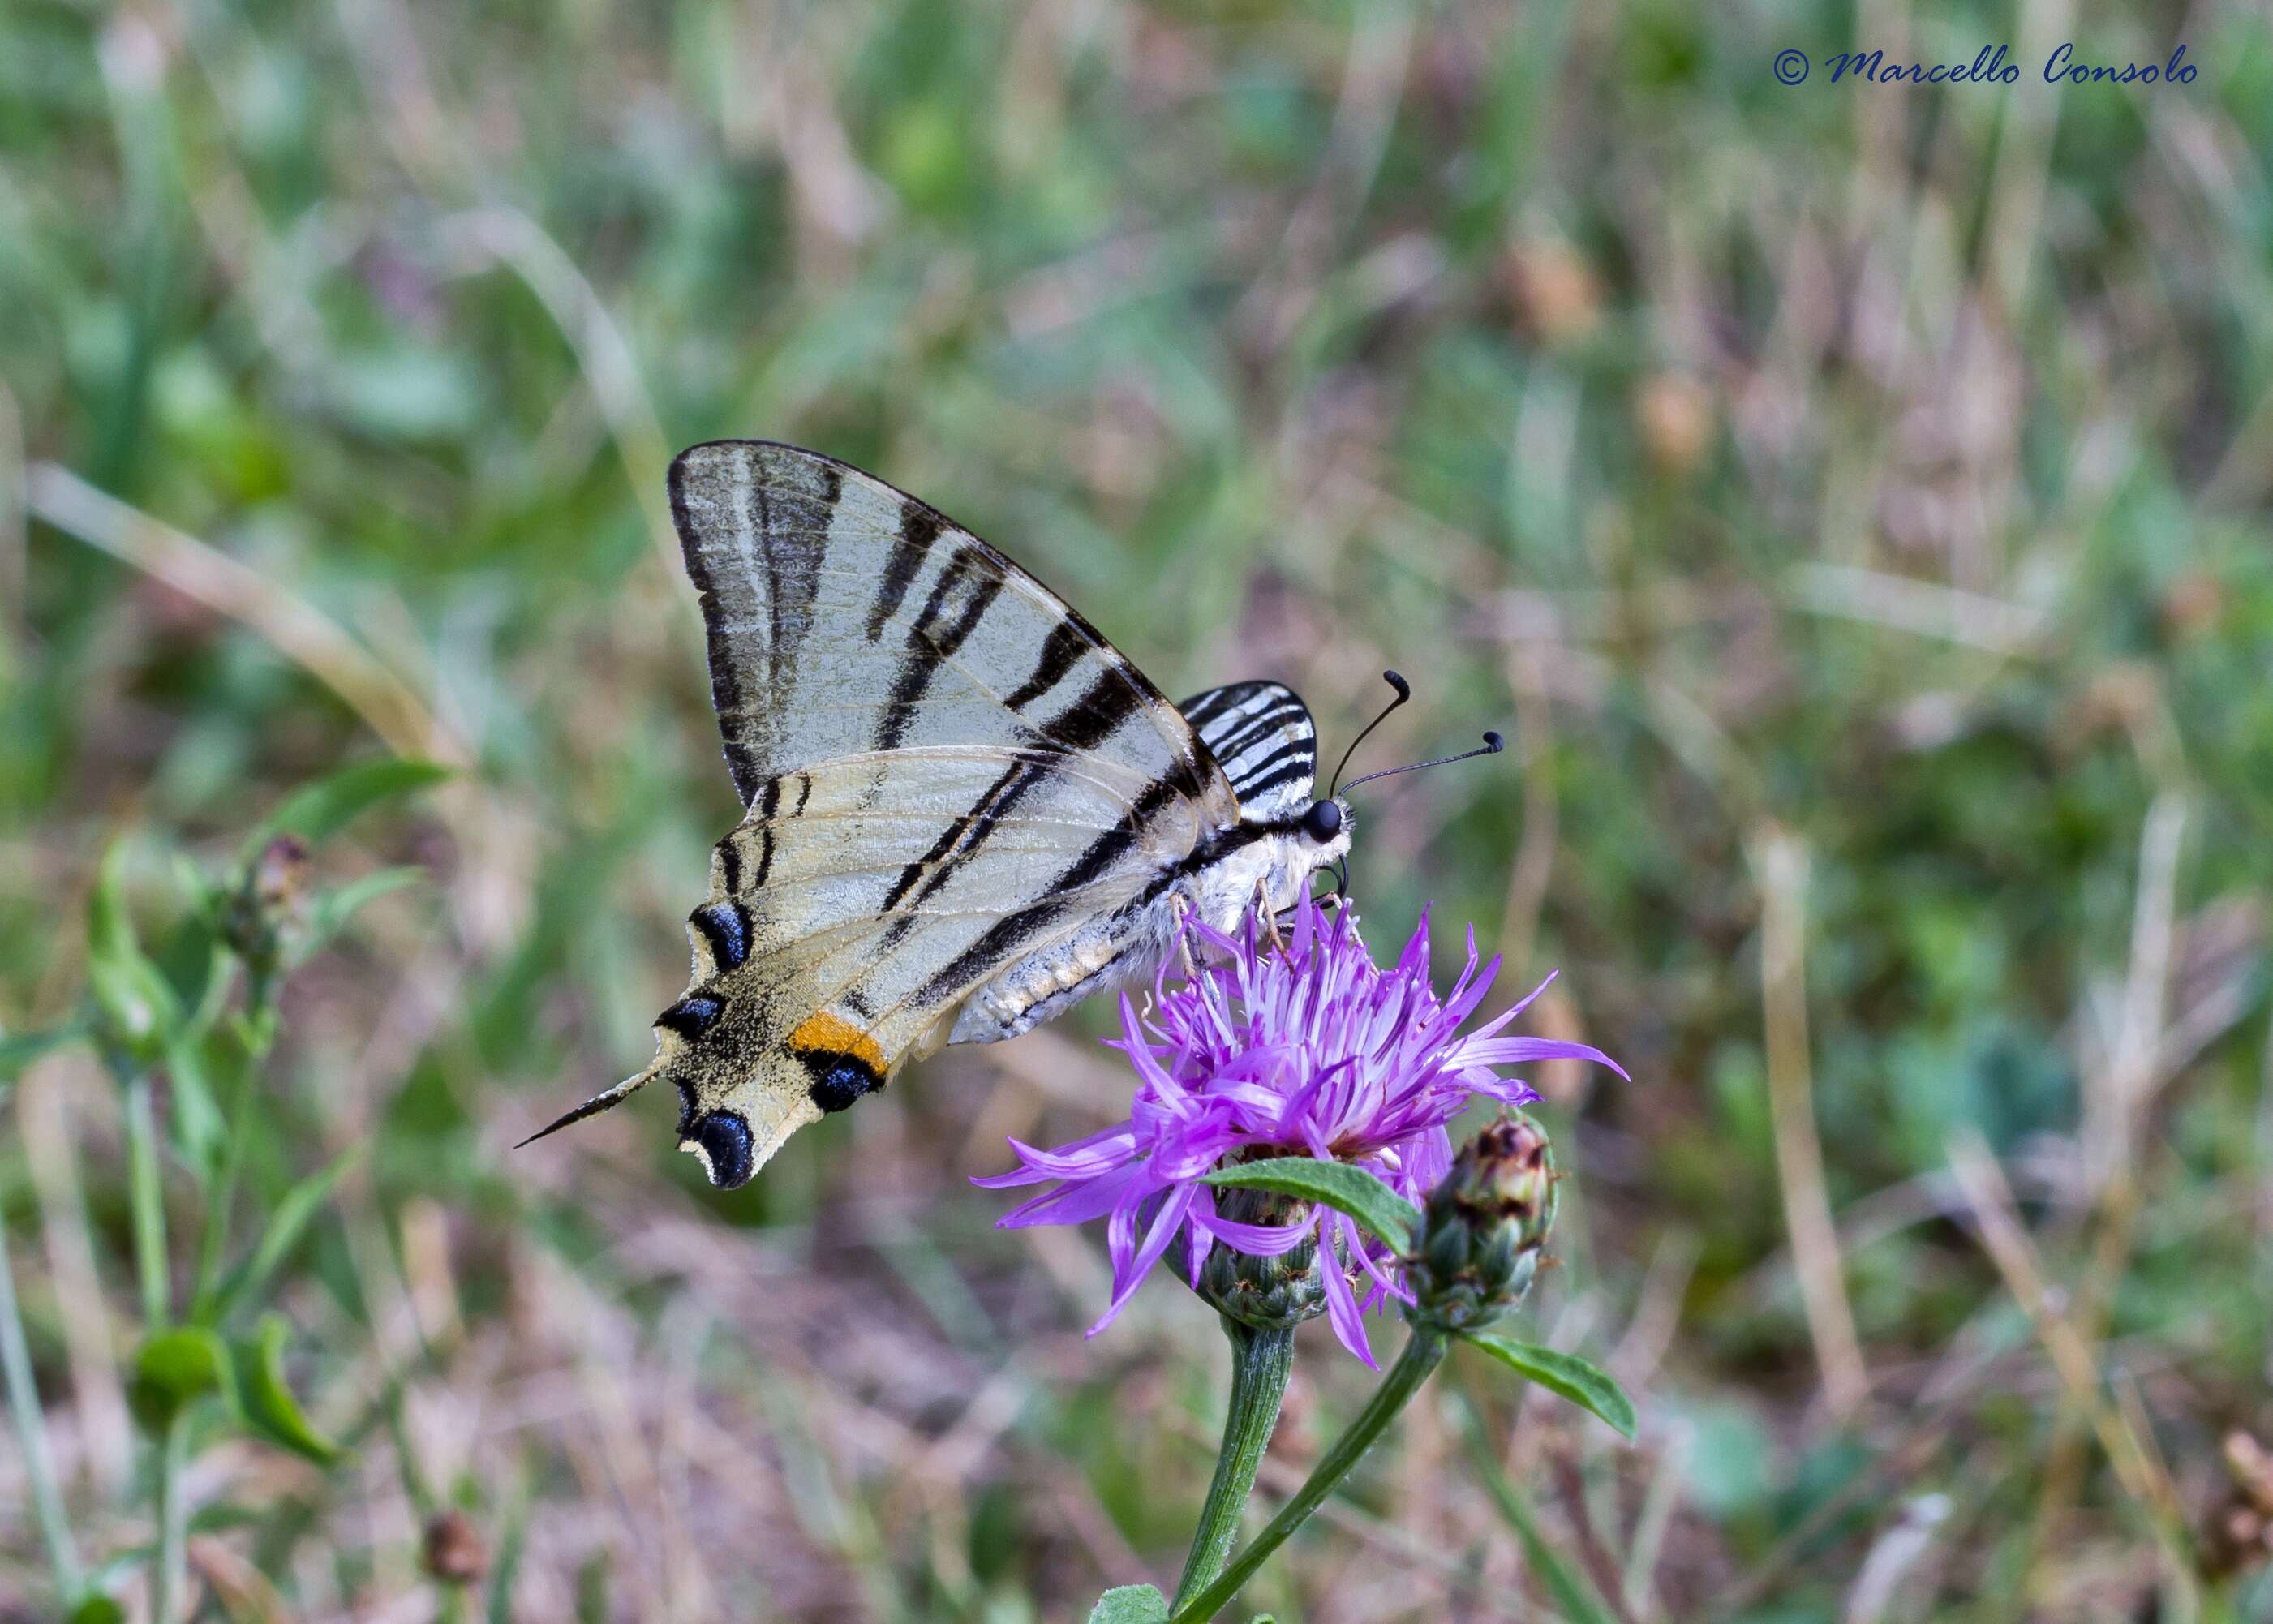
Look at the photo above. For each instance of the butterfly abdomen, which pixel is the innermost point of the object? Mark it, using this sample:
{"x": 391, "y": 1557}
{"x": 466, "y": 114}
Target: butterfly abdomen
{"x": 1113, "y": 952}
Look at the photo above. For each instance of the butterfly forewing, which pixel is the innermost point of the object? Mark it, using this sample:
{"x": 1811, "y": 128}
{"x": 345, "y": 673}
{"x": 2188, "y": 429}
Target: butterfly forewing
{"x": 845, "y": 616}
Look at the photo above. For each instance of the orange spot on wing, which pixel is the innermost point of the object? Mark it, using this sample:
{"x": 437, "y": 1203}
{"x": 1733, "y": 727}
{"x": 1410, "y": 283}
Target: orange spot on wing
{"x": 823, "y": 1033}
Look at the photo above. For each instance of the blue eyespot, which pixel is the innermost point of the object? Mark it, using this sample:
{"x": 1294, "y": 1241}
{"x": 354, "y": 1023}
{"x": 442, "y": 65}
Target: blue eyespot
{"x": 724, "y": 1138}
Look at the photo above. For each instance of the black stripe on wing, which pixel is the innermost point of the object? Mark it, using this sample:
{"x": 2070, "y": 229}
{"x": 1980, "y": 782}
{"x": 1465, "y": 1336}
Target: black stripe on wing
{"x": 758, "y": 520}
{"x": 1016, "y": 931}
{"x": 957, "y": 602}
{"x": 1260, "y": 734}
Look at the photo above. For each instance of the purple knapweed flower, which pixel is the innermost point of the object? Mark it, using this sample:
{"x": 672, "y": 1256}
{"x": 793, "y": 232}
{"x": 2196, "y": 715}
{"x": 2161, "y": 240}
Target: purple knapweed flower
{"x": 1312, "y": 1051}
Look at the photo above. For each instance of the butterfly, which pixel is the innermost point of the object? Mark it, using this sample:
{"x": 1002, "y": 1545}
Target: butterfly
{"x": 965, "y": 810}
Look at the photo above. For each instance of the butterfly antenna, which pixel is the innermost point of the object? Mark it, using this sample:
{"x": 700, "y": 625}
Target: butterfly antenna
{"x": 1404, "y": 692}
{"x": 1491, "y": 746}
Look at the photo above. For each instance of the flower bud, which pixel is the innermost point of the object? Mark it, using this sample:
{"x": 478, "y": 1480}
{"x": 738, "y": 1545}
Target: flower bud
{"x": 1484, "y": 1226}
{"x": 1265, "y": 1293}
{"x": 268, "y": 904}
{"x": 452, "y": 1551}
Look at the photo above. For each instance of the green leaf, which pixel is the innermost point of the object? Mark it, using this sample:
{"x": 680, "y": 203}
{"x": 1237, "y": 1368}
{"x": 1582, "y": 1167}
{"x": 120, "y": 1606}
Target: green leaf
{"x": 336, "y": 908}
{"x": 1131, "y": 1604}
{"x": 1565, "y": 1374}
{"x": 271, "y": 1410}
{"x": 175, "y": 1369}
{"x": 198, "y": 1128}
{"x": 19, "y": 1050}
{"x": 317, "y": 812}
{"x": 292, "y": 1215}
{"x": 1338, "y": 1184}
{"x": 97, "y": 1609}
{"x": 139, "y": 1010}
{"x": 506, "y": 1569}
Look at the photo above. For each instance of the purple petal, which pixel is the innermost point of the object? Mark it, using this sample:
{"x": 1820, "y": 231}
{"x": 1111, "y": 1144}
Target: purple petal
{"x": 1341, "y": 1305}
{"x": 1521, "y": 1050}
{"x": 1011, "y": 1181}
{"x": 1506, "y": 1090}
{"x": 1165, "y": 1225}
{"x": 1527, "y": 999}
{"x": 1412, "y": 964}
{"x": 1315, "y": 1050}
{"x": 1257, "y": 1239}
{"x": 1465, "y": 997}
{"x": 1083, "y": 1158}
{"x": 1078, "y": 1202}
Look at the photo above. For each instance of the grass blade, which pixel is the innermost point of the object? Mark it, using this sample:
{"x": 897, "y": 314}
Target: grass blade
{"x": 1574, "y": 1597}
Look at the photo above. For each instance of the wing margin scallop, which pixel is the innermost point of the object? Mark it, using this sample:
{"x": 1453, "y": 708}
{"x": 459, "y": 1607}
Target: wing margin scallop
{"x": 836, "y": 944}
{"x": 809, "y": 988}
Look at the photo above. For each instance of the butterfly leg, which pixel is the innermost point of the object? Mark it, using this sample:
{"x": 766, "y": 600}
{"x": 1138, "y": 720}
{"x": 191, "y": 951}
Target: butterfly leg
{"x": 1269, "y": 920}
{"x": 1183, "y": 938}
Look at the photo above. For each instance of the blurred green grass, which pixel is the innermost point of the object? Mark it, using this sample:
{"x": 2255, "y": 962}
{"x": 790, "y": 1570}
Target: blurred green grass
{"x": 1856, "y": 497}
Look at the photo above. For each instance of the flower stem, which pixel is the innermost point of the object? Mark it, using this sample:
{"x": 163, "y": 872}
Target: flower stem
{"x": 173, "y": 1531}
{"x": 1420, "y": 1357}
{"x": 32, "y": 1432}
{"x": 1261, "y": 1361}
{"x": 146, "y": 1198}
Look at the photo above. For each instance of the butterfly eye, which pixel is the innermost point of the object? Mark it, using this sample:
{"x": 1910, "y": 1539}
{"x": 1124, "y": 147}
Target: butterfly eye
{"x": 1322, "y": 821}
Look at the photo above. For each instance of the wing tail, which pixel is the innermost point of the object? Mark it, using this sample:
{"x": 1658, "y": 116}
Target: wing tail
{"x": 606, "y": 1100}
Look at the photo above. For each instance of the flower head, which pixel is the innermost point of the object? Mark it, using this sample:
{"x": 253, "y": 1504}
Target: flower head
{"x": 1313, "y": 1050}
{"x": 1483, "y": 1229}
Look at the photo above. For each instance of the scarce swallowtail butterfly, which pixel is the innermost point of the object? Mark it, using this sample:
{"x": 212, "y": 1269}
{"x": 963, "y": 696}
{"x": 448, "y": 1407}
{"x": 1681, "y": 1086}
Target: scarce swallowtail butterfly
{"x": 965, "y": 809}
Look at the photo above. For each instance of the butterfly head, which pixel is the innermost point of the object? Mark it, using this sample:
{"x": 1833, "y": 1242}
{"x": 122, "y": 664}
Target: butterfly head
{"x": 1325, "y": 827}
{"x": 1324, "y": 830}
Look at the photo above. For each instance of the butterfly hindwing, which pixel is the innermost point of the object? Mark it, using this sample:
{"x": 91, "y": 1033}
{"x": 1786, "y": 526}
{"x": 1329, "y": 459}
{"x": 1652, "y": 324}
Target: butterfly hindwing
{"x": 1261, "y": 735}
{"x": 862, "y": 900}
